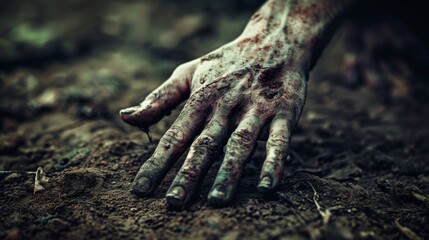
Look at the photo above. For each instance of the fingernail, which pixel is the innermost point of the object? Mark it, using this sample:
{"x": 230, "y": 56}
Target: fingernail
{"x": 219, "y": 192}
{"x": 126, "y": 111}
{"x": 265, "y": 183}
{"x": 176, "y": 196}
{"x": 141, "y": 186}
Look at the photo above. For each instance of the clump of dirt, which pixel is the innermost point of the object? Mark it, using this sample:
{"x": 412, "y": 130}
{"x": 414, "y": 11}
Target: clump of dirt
{"x": 79, "y": 181}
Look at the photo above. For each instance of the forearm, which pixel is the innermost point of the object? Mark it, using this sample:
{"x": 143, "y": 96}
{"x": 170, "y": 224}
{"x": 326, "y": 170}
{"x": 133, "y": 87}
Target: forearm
{"x": 306, "y": 26}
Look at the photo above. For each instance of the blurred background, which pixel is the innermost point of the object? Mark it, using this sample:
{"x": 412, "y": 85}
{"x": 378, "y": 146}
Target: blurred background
{"x": 176, "y": 30}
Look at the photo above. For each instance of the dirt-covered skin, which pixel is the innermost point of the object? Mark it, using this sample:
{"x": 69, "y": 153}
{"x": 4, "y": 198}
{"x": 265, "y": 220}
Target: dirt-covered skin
{"x": 258, "y": 80}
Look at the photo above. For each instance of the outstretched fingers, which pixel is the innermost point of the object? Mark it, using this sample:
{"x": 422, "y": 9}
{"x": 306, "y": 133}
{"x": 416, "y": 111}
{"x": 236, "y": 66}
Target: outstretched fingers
{"x": 171, "y": 146}
{"x": 277, "y": 150}
{"x": 200, "y": 157}
{"x": 163, "y": 99}
{"x": 238, "y": 150}
{"x": 205, "y": 149}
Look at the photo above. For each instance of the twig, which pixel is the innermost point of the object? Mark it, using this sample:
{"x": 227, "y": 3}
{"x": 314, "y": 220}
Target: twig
{"x": 326, "y": 214}
{"x": 406, "y": 231}
{"x": 20, "y": 172}
{"x": 421, "y": 197}
{"x": 39, "y": 177}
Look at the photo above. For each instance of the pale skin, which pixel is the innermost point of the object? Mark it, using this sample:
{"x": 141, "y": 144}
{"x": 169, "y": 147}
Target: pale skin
{"x": 251, "y": 87}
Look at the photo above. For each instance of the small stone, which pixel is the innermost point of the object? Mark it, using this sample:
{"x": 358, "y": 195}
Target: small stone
{"x": 213, "y": 222}
{"x": 13, "y": 177}
{"x": 115, "y": 167}
{"x": 57, "y": 224}
{"x": 233, "y": 235}
{"x": 79, "y": 181}
{"x": 47, "y": 99}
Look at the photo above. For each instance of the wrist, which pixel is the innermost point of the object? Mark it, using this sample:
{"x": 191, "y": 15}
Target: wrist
{"x": 304, "y": 27}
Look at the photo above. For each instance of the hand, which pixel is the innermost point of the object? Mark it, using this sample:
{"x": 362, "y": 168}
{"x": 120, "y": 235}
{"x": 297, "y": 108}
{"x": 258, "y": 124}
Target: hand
{"x": 233, "y": 93}
{"x": 255, "y": 82}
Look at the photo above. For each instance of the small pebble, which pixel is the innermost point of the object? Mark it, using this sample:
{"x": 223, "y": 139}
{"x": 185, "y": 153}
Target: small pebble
{"x": 115, "y": 167}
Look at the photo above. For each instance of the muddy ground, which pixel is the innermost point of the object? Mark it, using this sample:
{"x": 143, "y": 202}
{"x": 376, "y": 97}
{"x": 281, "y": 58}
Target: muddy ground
{"x": 358, "y": 167}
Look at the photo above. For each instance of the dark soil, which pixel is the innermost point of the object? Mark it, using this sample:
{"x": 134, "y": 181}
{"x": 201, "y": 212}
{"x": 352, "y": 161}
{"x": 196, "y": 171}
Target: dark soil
{"x": 363, "y": 162}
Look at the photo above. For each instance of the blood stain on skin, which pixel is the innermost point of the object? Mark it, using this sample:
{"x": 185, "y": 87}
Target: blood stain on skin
{"x": 306, "y": 13}
{"x": 245, "y": 134}
{"x": 266, "y": 48}
{"x": 255, "y": 40}
{"x": 244, "y": 42}
{"x": 267, "y": 75}
{"x": 192, "y": 175}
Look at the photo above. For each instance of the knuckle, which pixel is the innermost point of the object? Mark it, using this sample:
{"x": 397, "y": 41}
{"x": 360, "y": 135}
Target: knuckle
{"x": 184, "y": 67}
{"x": 180, "y": 69}
{"x": 151, "y": 165}
{"x": 242, "y": 137}
{"x": 277, "y": 153}
{"x": 278, "y": 141}
{"x": 175, "y": 137}
{"x": 271, "y": 161}
{"x": 270, "y": 165}
{"x": 189, "y": 174}
{"x": 187, "y": 66}
{"x": 184, "y": 70}
{"x": 207, "y": 142}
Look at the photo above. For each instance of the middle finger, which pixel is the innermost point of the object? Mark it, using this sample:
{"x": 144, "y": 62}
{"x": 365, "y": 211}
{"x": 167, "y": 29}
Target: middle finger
{"x": 238, "y": 150}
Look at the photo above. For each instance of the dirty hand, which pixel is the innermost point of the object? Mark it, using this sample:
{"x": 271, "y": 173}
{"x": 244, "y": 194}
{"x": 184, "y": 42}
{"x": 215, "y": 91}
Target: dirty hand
{"x": 256, "y": 82}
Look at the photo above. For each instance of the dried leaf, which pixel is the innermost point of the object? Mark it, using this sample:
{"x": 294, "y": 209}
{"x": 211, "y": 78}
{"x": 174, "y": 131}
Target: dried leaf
{"x": 39, "y": 179}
